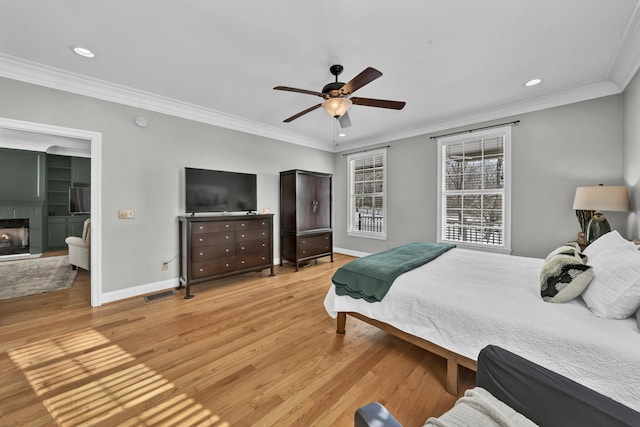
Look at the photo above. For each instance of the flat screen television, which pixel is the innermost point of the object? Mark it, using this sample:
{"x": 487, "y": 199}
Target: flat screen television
{"x": 79, "y": 200}
{"x": 219, "y": 191}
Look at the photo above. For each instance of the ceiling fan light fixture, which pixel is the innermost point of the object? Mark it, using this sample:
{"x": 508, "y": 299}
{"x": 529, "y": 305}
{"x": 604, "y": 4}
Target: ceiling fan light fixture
{"x": 336, "y": 107}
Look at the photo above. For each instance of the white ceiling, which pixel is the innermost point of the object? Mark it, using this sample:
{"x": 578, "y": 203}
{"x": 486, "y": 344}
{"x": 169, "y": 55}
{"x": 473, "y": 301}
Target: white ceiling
{"x": 454, "y": 62}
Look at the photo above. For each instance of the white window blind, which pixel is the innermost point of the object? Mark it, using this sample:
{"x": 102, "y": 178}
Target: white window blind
{"x": 367, "y": 184}
{"x": 473, "y": 184}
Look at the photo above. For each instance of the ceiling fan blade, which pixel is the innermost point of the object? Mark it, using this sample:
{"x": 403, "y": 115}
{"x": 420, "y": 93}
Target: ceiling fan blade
{"x": 344, "y": 120}
{"x": 301, "y": 113}
{"x": 293, "y": 89}
{"x": 380, "y": 103}
{"x": 365, "y": 77}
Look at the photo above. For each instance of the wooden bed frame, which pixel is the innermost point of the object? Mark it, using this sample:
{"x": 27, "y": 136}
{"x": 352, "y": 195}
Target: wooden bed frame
{"x": 454, "y": 360}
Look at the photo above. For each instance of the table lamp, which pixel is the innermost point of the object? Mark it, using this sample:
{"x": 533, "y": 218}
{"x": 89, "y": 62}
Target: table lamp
{"x": 600, "y": 198}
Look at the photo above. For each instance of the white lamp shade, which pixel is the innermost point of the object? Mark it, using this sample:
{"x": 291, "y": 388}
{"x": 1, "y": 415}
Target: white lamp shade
{"x": 602, "y": 198}
{"x": 336, "y": 107}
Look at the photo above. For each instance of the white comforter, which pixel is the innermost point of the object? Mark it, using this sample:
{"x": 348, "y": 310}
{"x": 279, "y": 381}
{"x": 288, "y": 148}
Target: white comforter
{"x": 465, "y": 300}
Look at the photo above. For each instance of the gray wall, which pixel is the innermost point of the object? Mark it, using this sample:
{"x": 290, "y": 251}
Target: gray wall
{"x": 553, "y": 152}
{"x": 632, "y": 153}
{"x": 142, "y": 170}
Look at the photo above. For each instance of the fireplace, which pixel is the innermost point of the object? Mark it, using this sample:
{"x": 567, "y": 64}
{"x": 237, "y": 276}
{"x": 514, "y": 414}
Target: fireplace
{"x": 14, "y": 236}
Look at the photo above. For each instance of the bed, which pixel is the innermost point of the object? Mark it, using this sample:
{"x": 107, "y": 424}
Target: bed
{"x": 465, "y": 300}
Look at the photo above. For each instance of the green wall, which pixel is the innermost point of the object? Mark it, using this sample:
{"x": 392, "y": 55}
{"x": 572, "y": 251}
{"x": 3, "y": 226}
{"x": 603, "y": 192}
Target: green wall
{"x": 22, "y": 191}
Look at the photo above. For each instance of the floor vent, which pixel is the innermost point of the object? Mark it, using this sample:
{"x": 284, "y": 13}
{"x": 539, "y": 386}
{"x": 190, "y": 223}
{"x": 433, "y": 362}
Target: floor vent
{"x": 159, "y": 295}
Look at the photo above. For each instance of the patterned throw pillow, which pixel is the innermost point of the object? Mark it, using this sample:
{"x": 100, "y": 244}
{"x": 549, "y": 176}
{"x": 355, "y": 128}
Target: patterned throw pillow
{"x": 564, "y": 275}
{"x": 570, "y": 248}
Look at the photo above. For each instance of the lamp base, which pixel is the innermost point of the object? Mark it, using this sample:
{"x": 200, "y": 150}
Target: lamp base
{"x": 597, "y": 226}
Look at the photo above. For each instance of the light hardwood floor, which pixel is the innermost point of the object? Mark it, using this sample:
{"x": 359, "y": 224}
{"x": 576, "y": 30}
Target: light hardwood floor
{"x": 250, "y": 350}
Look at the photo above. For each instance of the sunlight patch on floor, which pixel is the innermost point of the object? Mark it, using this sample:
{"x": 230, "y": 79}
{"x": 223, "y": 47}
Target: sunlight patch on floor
{"x": 84, "y": 380}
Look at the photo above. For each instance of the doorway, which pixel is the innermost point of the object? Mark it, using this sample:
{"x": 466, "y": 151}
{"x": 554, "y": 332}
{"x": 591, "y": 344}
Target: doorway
{"x": 34, "y": 136}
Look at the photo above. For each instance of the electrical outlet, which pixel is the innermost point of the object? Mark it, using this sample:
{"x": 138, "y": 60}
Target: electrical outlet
{"x": 125, "y": 214}
{"x": 164, "y": 265}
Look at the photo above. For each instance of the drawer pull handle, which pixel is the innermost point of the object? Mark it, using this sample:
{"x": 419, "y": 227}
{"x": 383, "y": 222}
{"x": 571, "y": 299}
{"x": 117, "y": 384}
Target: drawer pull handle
{"x": 226, "y": 265}
{"x": 202, "y": 269}
{"x": 263, "y": 245}
{"x": 227, "y": 225}
{"x": 202, "y": 240}
{"x": 242, "y": 224}
{"x": 242, "y": 235}
{"x": 226, "y": 250}
{"x": 243, "y": 261}
{"x": 304, "y": 252}
{"x": 201, "y": 228}
{"x": 304, "y": 241}
{"x": 226, "y": 237}
{"x": 264, "y": 234}
{"x": 242, "y": 248}
{"x": 264, "y": 258}
{"x": 201, "y": 254}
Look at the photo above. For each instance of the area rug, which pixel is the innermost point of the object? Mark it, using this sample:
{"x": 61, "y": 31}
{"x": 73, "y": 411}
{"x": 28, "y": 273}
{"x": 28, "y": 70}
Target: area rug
{"x": 35, "y": 276}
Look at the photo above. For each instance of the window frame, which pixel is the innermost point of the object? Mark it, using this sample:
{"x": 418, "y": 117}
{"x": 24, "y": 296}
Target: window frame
{"x": 350, "y": 194}
{"x": 505, "y": 131}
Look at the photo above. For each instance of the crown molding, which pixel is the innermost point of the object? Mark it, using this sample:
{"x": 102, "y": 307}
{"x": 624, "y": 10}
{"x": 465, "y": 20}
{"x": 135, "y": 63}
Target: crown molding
{"x": 625, "y": 61}
{"x": 54, "y": 78}
{"x": 556, "y": 99}
{"x": 38, "y": 74}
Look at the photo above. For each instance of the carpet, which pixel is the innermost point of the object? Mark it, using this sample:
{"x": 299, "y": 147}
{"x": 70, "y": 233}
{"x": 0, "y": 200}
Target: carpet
{"x": 35, "y": 276}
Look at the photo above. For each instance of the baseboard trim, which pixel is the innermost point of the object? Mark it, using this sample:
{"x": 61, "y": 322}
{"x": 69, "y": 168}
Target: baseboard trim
{"x": 136, "y": 291}
{"x": 148, "y": 288}
{"x": 350, "y": 252}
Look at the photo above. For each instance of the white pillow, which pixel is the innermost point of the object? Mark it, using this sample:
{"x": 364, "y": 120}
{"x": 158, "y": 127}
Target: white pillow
{"x": 608, "y": 242}
{"x": 614, "y": 291}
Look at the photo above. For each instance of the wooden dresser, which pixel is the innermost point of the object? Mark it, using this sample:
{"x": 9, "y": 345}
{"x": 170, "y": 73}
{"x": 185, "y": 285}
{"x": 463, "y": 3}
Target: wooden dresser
{"x": 213, "y": 247}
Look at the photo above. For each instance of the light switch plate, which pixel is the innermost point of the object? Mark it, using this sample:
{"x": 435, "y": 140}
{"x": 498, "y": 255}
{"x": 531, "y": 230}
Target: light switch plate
{"x": 125, "y": 214}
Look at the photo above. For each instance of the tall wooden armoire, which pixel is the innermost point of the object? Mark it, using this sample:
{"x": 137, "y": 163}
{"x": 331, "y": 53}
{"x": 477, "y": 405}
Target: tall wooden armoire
{"x": 305, "y": 216}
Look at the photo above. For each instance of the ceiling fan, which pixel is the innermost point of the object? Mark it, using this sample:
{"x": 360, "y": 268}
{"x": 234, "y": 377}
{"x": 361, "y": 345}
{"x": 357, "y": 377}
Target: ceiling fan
{"x": 337, "y": 99}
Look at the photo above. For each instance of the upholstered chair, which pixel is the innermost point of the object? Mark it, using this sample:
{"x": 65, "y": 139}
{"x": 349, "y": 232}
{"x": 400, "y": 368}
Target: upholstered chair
{"x": 80, "y": 248}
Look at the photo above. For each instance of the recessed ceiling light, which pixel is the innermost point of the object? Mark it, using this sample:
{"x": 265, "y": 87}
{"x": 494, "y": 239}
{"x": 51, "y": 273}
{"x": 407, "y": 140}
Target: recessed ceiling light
{"x": 83, "y": 51}
{"x": 533, "y": 82}
{"x": 342, "y": 134}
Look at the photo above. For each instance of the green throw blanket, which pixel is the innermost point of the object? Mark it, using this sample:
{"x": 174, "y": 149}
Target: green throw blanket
{"x": 370, "y": 277}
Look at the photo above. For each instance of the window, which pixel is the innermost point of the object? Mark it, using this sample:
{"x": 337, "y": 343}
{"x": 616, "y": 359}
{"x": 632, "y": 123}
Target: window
{"x": 367, "y": 194}
{"x": 473, "y": 190}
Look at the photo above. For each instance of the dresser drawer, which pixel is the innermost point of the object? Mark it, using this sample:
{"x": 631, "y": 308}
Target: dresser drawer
{"x": 252, "y": 224}
{"x": 255, "y": 234}
{"x": 314, "y": 245}
{"x": 252, "y": 247}
{"x": 208, "y": 239}
{"x": 212, "y": 227}
{"x": 206, "y": 253}
{"x": 210, "y": 268}
{"x": 252, "y": 260}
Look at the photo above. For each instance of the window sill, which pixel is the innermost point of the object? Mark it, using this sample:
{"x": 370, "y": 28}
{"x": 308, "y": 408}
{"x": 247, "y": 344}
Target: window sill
{"x": 376, "y": 236}
{"x": 483, "y": 248}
